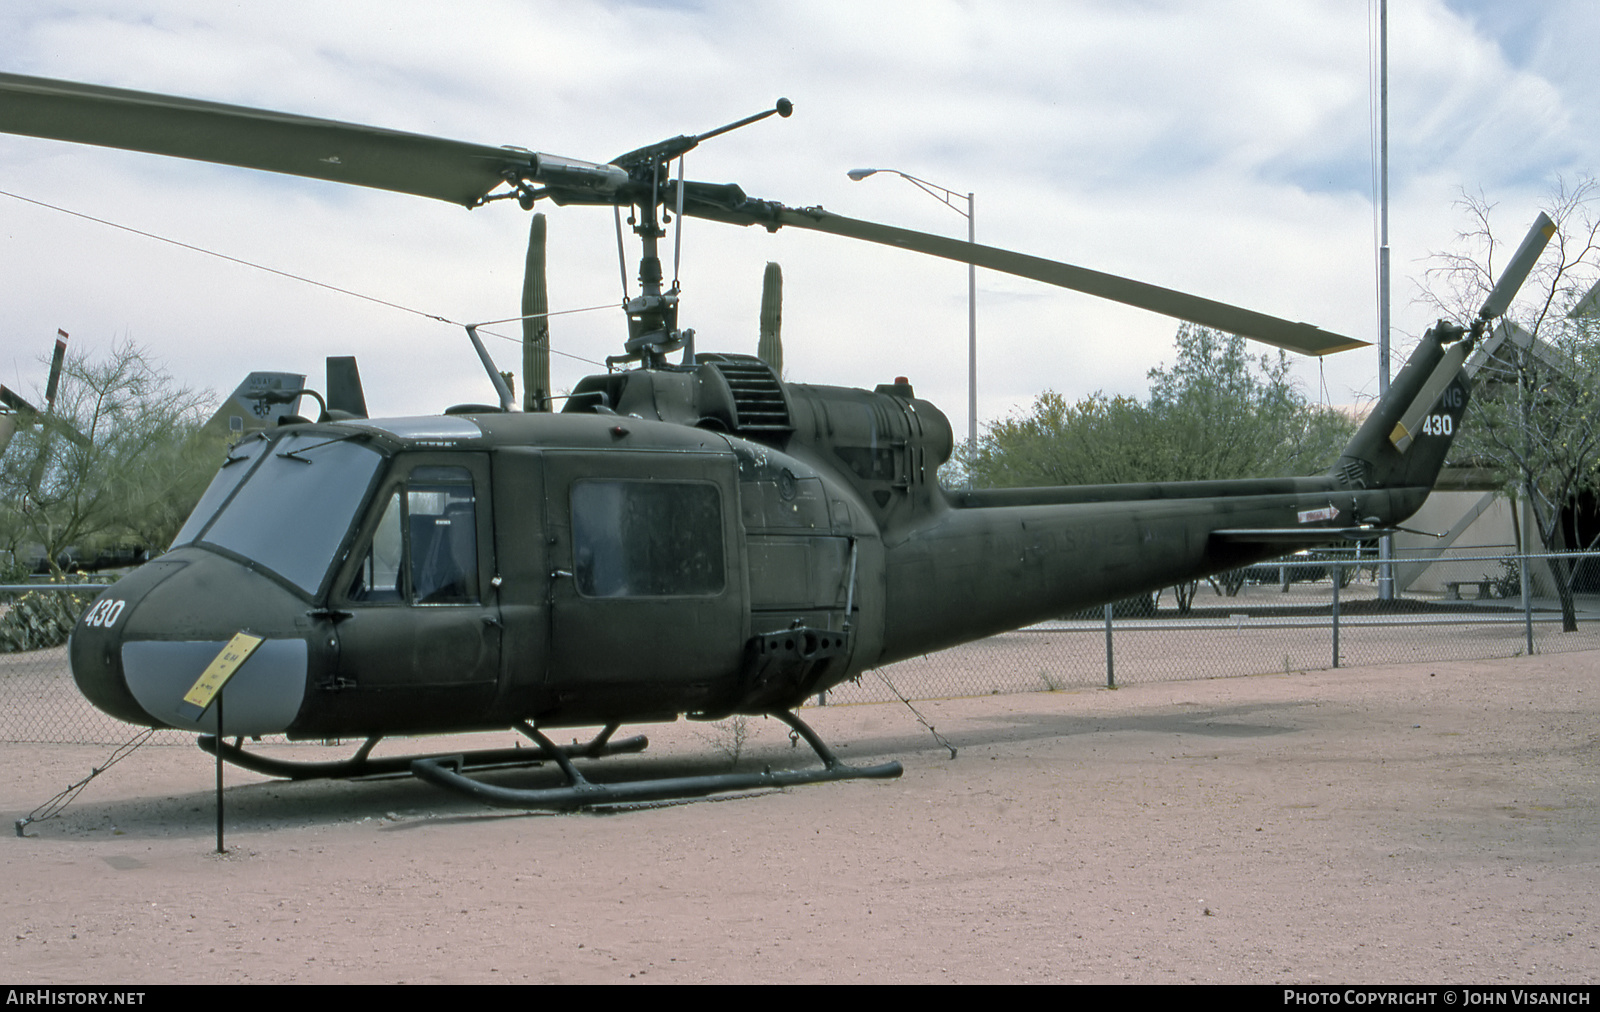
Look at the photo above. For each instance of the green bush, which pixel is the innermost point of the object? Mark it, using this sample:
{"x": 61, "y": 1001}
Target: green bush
{"x": 38, "y": 620}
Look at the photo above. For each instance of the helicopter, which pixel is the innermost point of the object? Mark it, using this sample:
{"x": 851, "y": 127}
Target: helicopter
{"x": 696, "y": 538}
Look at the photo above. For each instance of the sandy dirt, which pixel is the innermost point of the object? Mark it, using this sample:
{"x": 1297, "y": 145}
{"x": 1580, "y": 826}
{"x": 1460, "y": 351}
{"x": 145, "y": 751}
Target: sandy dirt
{"x": 1433, "y": 822}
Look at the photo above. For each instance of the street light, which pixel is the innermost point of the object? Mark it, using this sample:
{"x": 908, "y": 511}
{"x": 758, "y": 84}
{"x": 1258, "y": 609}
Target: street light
{"x": 949, "y": 198}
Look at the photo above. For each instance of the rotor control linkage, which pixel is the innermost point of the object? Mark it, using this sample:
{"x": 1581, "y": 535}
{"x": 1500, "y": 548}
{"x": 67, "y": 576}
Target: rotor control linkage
{"x": 580, "y": 792}
{"x": 672, "y": 147}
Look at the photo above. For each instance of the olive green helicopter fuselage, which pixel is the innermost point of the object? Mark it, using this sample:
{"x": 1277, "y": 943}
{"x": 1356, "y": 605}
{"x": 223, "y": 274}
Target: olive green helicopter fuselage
{"x": 704, "y": 539}
{"x": 697, "y": 537}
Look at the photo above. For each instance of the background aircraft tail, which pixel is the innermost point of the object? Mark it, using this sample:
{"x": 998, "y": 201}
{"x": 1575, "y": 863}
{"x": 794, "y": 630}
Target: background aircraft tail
{"x": 245, "y": 410}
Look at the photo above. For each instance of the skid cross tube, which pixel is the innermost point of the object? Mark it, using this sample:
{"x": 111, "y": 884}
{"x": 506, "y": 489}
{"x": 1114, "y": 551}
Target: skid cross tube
{"x": 579, "y": 792}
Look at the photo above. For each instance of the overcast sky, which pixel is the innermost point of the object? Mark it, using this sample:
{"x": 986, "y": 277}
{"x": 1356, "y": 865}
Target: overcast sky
{"x": 1220, "y": 148}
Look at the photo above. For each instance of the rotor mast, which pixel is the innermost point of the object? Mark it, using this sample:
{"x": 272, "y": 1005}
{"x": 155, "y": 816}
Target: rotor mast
{"x": 653, "y": 314}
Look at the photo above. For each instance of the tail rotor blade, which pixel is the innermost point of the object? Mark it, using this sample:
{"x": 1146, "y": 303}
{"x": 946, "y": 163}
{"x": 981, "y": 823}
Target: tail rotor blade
{"x": 1518, "y": 269}
{"x": 535, "y": 323}
{"x": 1588, "y": 305}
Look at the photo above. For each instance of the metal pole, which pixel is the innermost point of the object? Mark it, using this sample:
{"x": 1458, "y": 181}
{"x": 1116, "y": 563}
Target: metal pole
{"x": 220, "y": 848}
{"x": 948, "y": 197}
{"x": 1111, "y": 670}
{"x": 1383, "y": 202}
{"x": 1386, "y": 543}
{"x": 1338, "y": 575}
{"x": 972, "y": 340}
{"x": 1527, "y": 600}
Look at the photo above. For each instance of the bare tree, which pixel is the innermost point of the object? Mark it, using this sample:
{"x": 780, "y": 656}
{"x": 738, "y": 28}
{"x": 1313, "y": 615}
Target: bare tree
{"x": 1535, "y": 418}
{"x": 142, "y": 467}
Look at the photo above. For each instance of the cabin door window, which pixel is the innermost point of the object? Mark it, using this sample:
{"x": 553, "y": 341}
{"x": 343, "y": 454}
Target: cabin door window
{"x": 424, "y": 549}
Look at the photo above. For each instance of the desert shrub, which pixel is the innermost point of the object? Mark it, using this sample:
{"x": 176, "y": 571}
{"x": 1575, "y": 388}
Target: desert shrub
{"x": 40, "y": 619}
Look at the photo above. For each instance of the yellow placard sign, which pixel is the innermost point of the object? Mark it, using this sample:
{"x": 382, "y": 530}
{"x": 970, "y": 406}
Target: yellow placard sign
{"x": 222, "y": 668}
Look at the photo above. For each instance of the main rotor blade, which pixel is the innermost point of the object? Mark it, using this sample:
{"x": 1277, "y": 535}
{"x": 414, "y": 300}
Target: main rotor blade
{"x": 464, "y": 173}
{"x": 714, "y": 202}
{"x": 455, "y": 171}
{"x": 1519, "y": 268}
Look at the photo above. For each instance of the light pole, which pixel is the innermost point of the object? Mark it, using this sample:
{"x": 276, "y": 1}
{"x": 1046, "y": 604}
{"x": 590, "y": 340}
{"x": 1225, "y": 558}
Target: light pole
{"x": 949, "y": 198}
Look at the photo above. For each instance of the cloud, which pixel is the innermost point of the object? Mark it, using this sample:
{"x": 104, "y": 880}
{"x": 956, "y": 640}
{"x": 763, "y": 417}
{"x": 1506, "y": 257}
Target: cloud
{"x": 1219, "y": 148}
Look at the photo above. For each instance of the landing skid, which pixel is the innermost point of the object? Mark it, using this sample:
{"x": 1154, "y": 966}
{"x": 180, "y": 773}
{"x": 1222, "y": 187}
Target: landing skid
{"x": 578, "y": 792}
{"x": 361, "y": 765}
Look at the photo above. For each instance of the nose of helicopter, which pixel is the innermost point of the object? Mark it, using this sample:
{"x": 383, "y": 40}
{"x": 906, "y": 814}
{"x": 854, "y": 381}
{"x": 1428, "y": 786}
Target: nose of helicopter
{"x": 142, "y": 645}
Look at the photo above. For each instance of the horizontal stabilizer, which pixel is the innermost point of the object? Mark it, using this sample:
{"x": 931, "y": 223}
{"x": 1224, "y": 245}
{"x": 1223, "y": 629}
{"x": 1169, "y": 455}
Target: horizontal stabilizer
{"x": 1301, "y": 536}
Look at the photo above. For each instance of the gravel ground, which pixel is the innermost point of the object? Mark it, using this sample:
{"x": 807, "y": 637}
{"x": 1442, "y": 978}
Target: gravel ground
{"x": 1432, "y": 823}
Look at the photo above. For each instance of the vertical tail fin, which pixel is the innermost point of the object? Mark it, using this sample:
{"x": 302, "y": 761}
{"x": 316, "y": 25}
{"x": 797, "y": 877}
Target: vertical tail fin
{"x": 344, "y": 387}
{"x": 1405, "y": 439}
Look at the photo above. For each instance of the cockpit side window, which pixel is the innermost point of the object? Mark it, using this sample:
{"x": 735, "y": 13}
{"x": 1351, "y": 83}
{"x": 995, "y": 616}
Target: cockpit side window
{"x": 380, "y": 579}
{"x": 647, "y": 539}
{"x": 424, "y": 549}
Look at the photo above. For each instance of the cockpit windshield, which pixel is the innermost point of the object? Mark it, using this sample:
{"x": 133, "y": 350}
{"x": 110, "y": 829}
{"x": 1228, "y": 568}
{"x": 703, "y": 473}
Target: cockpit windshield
{"x": 241, "y": 459}
{"x": 286, "y": 504}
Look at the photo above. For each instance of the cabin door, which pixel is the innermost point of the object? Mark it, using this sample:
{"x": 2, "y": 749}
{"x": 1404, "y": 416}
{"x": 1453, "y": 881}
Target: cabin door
{"x": 418, "y": 626}
{"x": 647, "y": 587}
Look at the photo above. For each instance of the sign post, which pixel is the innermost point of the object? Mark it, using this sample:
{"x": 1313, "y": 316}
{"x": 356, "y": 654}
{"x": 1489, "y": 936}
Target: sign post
{"x": 208, "y": 687}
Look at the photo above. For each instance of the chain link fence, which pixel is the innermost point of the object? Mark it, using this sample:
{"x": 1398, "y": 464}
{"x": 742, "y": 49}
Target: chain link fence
{"x": 1312, "y": 611}
{"x": 1274, "y": 618}
{"x": 38, "y": 700}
